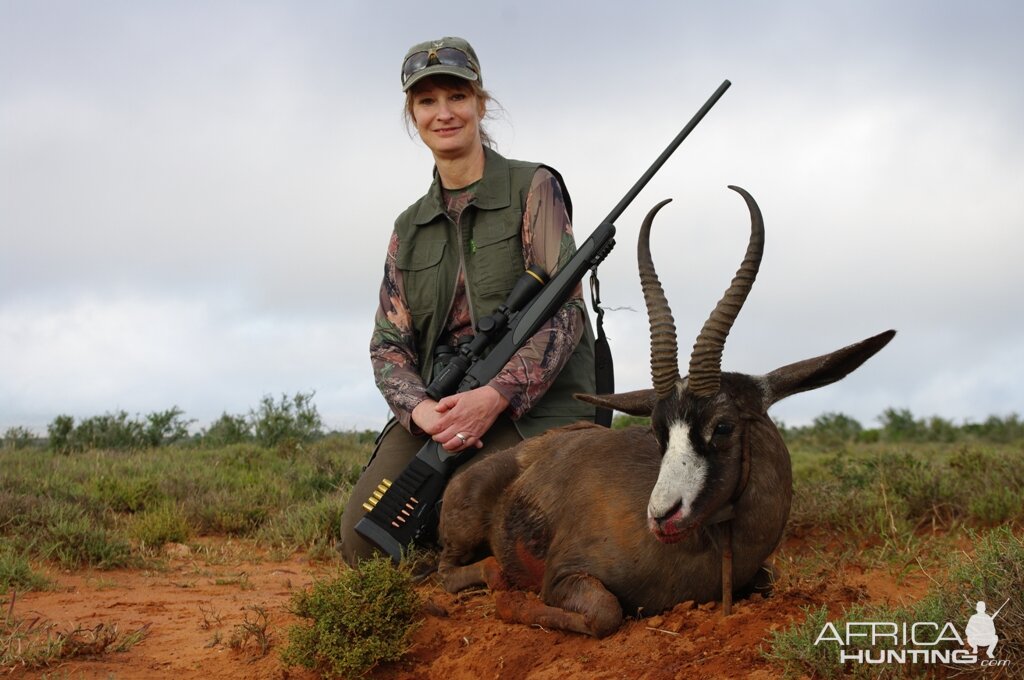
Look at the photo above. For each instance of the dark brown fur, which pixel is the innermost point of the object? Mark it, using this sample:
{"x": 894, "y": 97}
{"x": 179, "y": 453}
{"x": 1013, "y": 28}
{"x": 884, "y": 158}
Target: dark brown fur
{"x": 584, "y": 489}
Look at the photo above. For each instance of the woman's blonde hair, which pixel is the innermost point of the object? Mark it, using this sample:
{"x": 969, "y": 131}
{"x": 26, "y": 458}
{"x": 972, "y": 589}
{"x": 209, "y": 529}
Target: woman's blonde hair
{"x": 452, "y": 83}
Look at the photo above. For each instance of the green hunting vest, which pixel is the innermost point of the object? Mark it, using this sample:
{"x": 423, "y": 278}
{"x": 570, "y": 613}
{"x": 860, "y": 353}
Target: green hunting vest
{"x": 489, "y": 238}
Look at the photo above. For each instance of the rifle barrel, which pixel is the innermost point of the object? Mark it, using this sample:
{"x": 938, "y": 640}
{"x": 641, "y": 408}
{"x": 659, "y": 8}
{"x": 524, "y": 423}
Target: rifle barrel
{"x": 669, "y": 150}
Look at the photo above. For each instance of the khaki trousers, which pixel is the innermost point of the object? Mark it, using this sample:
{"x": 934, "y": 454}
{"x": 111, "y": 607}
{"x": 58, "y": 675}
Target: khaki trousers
{"x": 395, "y": 448}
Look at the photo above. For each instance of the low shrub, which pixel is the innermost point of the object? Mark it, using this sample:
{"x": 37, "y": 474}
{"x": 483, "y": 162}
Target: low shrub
{"x": 126, "y": 493}
{"x": 358, "y": 620}
{"x": 313, "y": 527}
{"x": 75, "y": 540}
{"x": 16, "y": 573}
{"x": 163, "y": 524}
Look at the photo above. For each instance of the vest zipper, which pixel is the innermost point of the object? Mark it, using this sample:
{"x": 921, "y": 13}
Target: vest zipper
{"x": 465, "y": 272}
{"x": 465, "y": 278}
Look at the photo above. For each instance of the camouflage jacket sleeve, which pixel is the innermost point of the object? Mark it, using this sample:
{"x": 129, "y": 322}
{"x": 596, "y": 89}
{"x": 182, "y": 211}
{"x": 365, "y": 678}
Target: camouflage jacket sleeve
{"x": 547, "y": 241}
{"x": 393, "y": 348}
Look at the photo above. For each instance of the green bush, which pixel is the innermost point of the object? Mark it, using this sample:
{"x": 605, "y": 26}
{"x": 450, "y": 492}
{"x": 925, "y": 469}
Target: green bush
{"x": 995, "y": 505}
{"x": 126, "y": 493}
{"x": 109, "y": 431}
{"x": 163, "y": 524}
{"x": 16, "y": 573}
{"x": 996, "y": 429}
{"x": 165, "y": 427}
{"x": 18, "y": 438}
{"x": 227, "y": 512}
{"x": 227, "y": 430}
{"x": 361, "y": 618}
{"x": 899, "y": 425}
{"x": 289, "y": 419}
{"x": 76, "y": 541}
{"x": 117, "y": 431}
{"x": 59, "y": 433}
{"x": 829, "y": 430}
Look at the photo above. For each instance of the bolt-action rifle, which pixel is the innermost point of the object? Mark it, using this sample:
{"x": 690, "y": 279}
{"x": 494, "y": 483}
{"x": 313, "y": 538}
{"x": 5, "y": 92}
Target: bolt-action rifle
{"x": 405, "y": 511}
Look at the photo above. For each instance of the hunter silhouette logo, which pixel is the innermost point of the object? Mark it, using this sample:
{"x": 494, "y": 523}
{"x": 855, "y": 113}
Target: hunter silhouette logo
{"x": 981, "y": 630}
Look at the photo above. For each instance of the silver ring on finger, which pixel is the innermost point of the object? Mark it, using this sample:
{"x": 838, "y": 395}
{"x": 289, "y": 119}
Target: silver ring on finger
{"x": 462, "y": 437}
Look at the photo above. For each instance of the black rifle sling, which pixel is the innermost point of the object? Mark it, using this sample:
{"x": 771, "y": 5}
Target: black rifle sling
{"x": 604, "y": 368}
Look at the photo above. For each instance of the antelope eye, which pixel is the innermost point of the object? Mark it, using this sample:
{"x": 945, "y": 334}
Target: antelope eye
{"x": 724, "y": 429}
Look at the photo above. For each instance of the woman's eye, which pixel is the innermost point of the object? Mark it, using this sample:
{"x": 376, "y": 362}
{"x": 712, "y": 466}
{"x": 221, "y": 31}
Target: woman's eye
{"x": 425, "y": 101}
{"x": 457, "y": 97}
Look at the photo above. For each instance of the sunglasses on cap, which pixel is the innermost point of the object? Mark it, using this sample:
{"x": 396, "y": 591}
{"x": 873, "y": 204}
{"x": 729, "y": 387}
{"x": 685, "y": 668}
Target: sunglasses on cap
{"x": 445, "y": 56}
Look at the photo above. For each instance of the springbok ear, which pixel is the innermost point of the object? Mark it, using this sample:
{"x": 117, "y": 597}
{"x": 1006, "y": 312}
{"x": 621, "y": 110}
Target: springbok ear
{"x": 811, "y": 374}
{"x": 638, "y": 403}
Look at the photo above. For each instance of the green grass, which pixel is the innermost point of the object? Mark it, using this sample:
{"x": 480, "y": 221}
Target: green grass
{"x": 106, "y": 509}
{"x": 901, "y": 504}
{"x": 900, "y": 489}
{"x": 16, "y": 574}
{"x": 156, "y": 526}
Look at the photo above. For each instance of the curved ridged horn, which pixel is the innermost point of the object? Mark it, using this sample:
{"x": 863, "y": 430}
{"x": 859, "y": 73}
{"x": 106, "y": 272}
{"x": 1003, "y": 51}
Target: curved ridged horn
{"x": 706, "y": 360}
{"x": 664, "y": 347}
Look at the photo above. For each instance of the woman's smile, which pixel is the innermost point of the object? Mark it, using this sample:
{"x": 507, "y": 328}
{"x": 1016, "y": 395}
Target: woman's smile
{"x": 448, "y": 120}
{"x": 448, "y": 131}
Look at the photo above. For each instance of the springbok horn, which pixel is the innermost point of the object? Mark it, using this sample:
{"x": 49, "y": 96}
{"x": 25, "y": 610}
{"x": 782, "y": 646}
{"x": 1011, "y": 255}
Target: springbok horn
{"x": 664, "y": 346}
{"x": 706, "y": 360}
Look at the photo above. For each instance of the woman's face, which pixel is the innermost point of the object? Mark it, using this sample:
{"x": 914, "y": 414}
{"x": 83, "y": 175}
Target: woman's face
{"x": 447, "y": 119}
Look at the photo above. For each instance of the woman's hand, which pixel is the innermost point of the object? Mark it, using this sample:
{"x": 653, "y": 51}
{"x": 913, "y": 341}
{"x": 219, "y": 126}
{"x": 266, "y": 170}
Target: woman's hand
{"x": 425, "y": 416}
{"x": 458, "y": 422}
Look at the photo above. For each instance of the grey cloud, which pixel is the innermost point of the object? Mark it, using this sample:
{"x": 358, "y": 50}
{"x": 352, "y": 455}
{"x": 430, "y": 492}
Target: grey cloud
{"x": 220, "y": 180}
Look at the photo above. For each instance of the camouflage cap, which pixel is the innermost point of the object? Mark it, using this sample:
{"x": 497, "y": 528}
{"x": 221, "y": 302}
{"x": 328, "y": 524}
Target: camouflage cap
{"x": 446, "y": 56}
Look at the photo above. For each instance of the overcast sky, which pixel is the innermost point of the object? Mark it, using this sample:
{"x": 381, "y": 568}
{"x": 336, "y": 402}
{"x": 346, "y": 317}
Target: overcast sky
{"x": 195, "y": 197}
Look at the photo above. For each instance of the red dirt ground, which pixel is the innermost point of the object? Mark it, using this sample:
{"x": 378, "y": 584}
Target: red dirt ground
{"x": 193, "y": 607}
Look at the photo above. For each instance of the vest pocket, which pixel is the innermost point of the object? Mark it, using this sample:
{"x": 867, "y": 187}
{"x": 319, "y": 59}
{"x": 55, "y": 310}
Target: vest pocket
{"x": 419, "y": 267}
{"x": 497, "y": 263}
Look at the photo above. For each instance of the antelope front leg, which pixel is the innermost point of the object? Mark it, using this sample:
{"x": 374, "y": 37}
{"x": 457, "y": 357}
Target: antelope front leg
{"x": 486, "y": 572}
{"x": 578, "y": 603}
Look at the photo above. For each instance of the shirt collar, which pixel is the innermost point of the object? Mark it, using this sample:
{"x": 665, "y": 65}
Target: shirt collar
{"x": 492, "y": 193}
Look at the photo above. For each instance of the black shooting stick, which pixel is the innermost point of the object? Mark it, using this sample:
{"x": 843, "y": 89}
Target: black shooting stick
{"x": 403, "y": 512}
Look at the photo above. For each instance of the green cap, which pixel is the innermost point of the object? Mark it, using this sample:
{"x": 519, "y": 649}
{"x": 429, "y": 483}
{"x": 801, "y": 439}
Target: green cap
{"x": 446, "y": 56}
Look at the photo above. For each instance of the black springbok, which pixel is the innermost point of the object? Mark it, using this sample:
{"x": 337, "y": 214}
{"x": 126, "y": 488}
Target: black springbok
{"x": 601, "y": 521}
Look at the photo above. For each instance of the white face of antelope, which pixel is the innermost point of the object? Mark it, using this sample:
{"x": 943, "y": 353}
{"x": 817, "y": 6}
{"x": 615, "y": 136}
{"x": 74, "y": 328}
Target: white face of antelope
{"x": 698, "y": 468}
{"x": 682, "y": 477}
